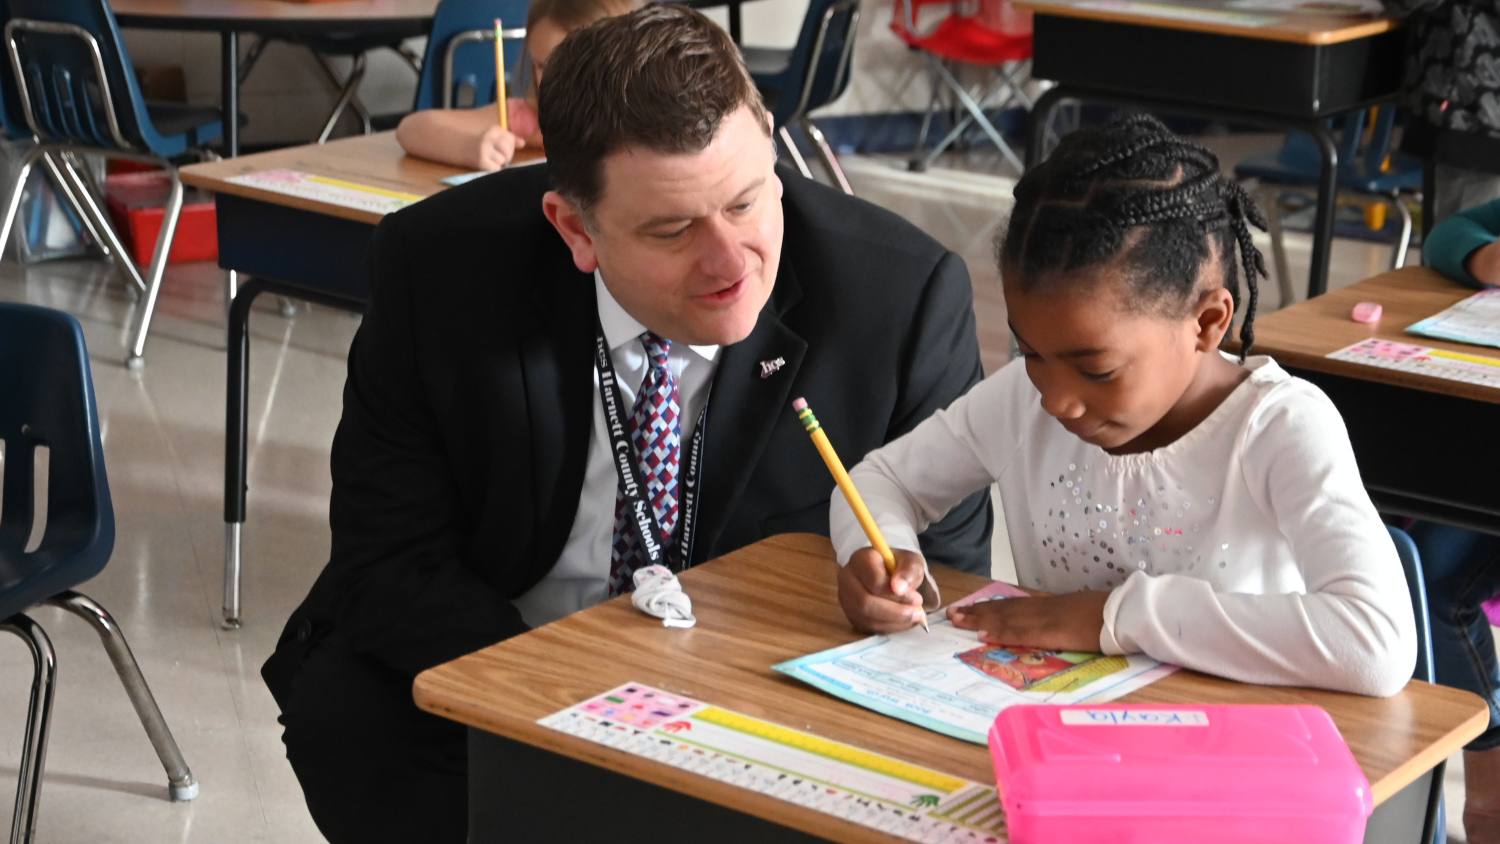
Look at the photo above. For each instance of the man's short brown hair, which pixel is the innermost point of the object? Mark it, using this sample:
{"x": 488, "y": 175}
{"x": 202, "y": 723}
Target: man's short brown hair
{"x": 663, "y": 77}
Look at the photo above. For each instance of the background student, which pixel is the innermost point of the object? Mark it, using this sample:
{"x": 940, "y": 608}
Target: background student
{"x": 1462, "y": 567}
{"x": 472, "y": 137}
{"x": 1176, "y": 502}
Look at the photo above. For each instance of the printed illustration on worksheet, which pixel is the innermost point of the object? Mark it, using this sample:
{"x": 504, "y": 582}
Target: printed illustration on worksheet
{"x": 949, "y": 682}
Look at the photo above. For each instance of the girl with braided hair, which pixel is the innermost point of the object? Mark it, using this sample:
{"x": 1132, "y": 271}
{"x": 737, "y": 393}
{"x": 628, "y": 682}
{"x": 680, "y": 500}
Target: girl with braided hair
{"x": 1202, "y": 508}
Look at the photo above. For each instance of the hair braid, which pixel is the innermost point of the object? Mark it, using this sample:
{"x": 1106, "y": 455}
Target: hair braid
{"x": 1133, "y": 192}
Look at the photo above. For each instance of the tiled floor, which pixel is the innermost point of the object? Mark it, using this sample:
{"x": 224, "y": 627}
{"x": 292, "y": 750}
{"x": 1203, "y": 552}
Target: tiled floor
{"x": 163, "y": 432}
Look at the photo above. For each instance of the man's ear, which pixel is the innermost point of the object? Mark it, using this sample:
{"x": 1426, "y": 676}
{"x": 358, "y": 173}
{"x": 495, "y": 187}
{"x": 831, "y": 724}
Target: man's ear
{"x": 574, "y": 231}
{"x": 1214, "y": 316}
{"x": 770, "y": 125}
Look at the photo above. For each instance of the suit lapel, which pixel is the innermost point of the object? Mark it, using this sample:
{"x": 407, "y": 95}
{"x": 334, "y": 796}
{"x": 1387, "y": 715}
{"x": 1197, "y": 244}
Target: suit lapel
{"x": 556, "y": 364}
{"x": 744, "y": 407}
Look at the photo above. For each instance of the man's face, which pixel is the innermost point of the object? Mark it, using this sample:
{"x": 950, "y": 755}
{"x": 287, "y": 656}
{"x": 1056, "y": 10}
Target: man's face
{"x": 687, "y": 243}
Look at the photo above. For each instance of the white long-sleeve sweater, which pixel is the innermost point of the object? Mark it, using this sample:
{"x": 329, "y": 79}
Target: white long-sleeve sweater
{"x": 1248, "y": 548}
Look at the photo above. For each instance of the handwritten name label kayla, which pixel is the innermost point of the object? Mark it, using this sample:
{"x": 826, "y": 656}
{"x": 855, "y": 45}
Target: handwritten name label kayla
{"x": 1136, "y": 717}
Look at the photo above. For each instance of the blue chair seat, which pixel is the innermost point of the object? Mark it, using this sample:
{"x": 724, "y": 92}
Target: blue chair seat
{"x": 185, "y": 126}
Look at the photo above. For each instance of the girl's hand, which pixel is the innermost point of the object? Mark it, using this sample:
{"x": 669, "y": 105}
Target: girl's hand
{"x": 1070, "y": 622}
{"x": 1484, "y": 263}
{"x": 494, "y": 148}
{"x": 878, "y": 602}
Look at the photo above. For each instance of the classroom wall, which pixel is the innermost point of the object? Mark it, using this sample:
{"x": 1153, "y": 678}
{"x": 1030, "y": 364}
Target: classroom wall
{"x": 287, "y": 96}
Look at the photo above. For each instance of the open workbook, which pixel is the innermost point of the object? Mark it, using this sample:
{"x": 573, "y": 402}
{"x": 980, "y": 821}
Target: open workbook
{"x": 950, "y": 682}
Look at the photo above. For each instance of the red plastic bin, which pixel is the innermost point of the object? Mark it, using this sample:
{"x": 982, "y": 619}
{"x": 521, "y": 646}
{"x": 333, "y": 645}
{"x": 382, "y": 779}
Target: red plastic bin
{"x": 137, "y": 205}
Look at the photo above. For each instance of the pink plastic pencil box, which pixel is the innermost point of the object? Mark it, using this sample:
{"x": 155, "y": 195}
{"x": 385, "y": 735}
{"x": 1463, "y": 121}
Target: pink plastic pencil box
{"x": 1146, "y": 773}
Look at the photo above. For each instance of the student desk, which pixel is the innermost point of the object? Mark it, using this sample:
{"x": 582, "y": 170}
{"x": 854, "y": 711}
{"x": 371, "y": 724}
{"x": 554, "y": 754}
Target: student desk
{"x": 762, "y": 605}
{"x": 296, "y": 247}
{"x": 1425, "y": 445}
{"x": 231, "y": 18}
{"x": 1289, "y": 70}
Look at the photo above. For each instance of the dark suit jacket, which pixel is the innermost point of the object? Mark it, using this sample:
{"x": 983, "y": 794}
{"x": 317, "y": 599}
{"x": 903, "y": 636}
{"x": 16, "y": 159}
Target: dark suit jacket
{"x": 468, "y": 409}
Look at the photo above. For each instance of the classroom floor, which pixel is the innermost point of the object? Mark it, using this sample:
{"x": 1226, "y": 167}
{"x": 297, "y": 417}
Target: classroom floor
{"x": 163, "y": 435}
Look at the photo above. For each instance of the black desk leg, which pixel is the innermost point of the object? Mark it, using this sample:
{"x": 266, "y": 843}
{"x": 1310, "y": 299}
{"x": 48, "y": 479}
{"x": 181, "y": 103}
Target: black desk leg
{"x": 734, "y": 22}
{"x": 1328, "y": 187}
{"x": 229, "y": 70}
{"x": 236, "y": 427}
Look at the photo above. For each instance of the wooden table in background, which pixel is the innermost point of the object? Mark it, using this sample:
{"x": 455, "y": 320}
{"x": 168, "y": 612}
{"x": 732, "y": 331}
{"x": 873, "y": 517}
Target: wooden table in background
{"x": 1426, "y": 446}
{"x": 296, "y": 247}
{"x": 762, "y": 605}
{"x": 271, "y": 18}
{"x": 1205, "y": 58}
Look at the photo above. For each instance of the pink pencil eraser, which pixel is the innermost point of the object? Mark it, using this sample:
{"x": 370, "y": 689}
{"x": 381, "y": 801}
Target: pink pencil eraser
{"x": 1367, "y": 312}
{"x": 799, "y": 404}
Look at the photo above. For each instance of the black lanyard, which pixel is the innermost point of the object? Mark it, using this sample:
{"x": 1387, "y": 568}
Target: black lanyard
{"x": 627, "y": 466}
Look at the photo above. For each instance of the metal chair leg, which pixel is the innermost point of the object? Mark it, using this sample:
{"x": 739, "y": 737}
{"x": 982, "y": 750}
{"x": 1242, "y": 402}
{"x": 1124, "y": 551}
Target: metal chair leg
{"x": 38, "y": 716}
{"x": 826, "y": 153}
{"x": 181, "y": 785}
{"x": 90, "y": 205}
{"x": 1269, "y": 198}
{"x": 65, "y": 187}
{"x": 1403, "y": 243}
{"x": 791, "y": 148}
{"x": 917, "y": 163}
{"x": 351, "y": 85}
{"x": 13, "y": 203}
{"x": 136, "y": 359}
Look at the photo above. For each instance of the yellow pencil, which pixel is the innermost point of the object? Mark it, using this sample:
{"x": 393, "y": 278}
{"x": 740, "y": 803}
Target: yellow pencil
{"x": 857, "y": 504}
{"x": 500, "y": 77}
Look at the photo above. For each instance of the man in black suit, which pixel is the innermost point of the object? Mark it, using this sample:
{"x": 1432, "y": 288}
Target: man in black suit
{"x": 475, "y": 494}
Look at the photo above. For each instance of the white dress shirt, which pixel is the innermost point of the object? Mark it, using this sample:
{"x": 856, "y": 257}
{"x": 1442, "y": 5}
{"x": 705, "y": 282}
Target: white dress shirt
{"x": 581, "y": 577}
{"x": 1248, "y": 548}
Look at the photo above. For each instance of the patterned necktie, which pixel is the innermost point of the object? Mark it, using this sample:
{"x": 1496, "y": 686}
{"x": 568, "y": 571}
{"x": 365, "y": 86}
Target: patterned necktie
{"x": 656, "y": 433}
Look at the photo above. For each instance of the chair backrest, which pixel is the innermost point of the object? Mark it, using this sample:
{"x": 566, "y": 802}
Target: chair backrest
{"x": 823, "y": 53}
{"x": 12, "y": 120}
{"x": 473, "y": 58}
{"x": 47, "y": 399}
{"x": 1411, "y": 565}
{"x": 75, "y": 78}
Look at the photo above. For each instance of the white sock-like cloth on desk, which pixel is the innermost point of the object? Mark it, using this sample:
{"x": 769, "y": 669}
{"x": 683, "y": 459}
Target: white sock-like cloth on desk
{"x": 658, "y": 592}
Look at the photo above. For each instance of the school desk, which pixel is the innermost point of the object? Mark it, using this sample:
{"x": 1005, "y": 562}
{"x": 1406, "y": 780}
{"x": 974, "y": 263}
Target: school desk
{"x": 270, "y": 18}
{"x": 1218, "y": 60}
{"x": 1425, "y": 445}
{"x": 302, "y": 248}
{"x": 762, "y": 605}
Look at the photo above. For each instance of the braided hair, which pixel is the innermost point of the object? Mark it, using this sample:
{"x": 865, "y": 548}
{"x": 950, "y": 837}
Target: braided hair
{"x": 1135, "y": 195}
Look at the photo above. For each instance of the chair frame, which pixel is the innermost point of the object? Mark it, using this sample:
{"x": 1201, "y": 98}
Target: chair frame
{"x": 57, "y": 158}
{"x": 1010, "y": 76}
{"x": 841, "y": 72}
{"x": 1268, "y": 195}
{"x": 471, "y": 36}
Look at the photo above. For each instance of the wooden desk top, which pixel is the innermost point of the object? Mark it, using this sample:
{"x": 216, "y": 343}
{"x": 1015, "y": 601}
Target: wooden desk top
{"x": 186, "y": 13}
{"x": 374, "y": 160}
{"x": 1303, "y": 334}
{"x": 1220, "y": 18}
{"x": 726, "y": 660}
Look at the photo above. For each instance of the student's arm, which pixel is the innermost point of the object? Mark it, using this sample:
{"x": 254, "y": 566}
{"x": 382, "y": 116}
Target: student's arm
{"x": 1353, "y": 629}
{"x": 1464, "y": 247}
{"x": 469, "y": 137}
{"x": 399, "y": 536}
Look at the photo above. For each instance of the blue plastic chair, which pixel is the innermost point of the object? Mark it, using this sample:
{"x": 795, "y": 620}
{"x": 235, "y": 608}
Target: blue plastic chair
{"x": 1435, "y": 829}
{"x": 1370, "y": 168}
{"x": 78, "y": 94}
{"x": 47, "y": 400}
{"x": 459, "y": 66}
{"x": 813, "y": 73}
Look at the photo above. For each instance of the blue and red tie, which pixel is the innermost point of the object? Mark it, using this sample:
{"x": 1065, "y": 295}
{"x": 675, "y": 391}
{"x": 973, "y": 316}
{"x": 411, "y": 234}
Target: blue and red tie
{"x": 656, "y": 433}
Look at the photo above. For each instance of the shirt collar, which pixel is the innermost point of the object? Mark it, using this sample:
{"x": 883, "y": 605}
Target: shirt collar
{"x": 621, "y": 328}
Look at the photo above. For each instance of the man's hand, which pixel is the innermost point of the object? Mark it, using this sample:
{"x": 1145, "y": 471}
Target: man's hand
{"x": 1069, "y": 622}
{"x": 493, "y": 148}
{"x": 877, "y": 602}
{"x": 1484, "y": 263}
